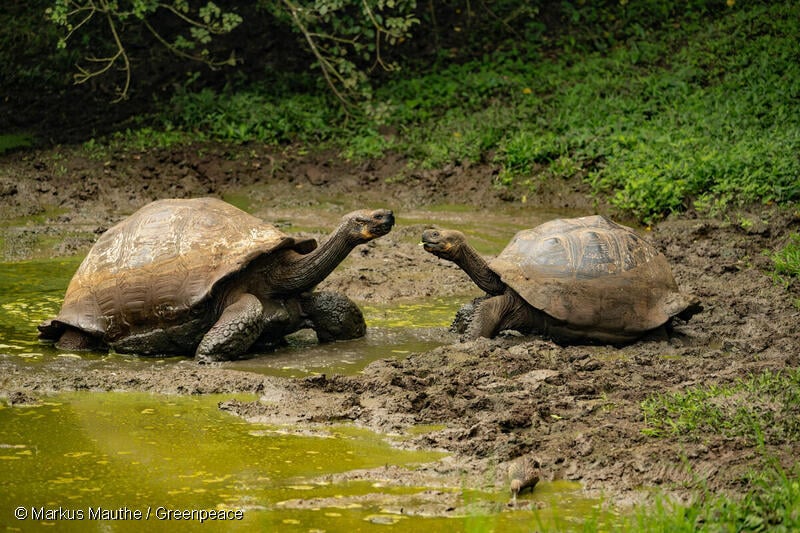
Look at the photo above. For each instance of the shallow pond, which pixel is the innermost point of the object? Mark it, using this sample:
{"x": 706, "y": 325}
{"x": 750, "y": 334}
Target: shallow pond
{"x": 125, "y": 453}
{"x": 91, "y": 455}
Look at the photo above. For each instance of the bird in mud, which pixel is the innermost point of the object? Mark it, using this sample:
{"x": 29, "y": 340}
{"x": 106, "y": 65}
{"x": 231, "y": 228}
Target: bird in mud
{"x": 523, "y": 473}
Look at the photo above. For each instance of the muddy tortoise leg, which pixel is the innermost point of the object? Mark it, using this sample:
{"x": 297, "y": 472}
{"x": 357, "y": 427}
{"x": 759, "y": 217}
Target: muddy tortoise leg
{"x": 499, "y": 313}
{"x": 465, "y": 315}
{"x": 237, "y": 329}
{"x": 68, "y": 338}
{"x": 333, "y": 316}
{"x": 76, "y": 340}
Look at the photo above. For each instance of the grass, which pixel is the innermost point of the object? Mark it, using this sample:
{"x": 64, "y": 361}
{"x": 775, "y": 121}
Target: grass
{"x": 763, "y": 408}
{"x": 787, "y": 260}
{"x": 786, "y": 264}
{"x": 771, "y": 504}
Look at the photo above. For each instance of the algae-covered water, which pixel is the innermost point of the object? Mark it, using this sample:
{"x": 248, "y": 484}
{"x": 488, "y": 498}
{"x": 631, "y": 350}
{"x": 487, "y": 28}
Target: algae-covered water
{"x": 120, "y": 461}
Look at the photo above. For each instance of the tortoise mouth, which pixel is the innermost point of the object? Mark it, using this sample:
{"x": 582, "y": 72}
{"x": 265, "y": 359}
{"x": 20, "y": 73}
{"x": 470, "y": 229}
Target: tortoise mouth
{"x": 384, "y": 227}
{"x": 432, "y": 241}
{"x": 435, "y": 247}
{"x": 378, "y": 230}
{"x": 387, "y": 226}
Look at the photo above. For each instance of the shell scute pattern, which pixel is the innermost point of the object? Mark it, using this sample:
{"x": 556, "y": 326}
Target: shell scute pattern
{"x": 589, "y": 271}
{"x": 164, "y": 260}
{"x": 587, "y": 250}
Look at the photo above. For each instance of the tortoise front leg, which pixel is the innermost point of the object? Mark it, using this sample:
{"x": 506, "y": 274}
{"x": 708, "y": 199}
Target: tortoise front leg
{"x": 333, "y": 316}
{"x": 465, "y": 315}
{"x": 499, "y": 313}
{"x": 236, "y": 330}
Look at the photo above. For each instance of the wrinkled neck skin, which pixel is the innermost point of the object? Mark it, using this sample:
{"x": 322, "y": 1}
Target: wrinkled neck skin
{"x": 290, "y": 272}
{"x": 478, "y": 270}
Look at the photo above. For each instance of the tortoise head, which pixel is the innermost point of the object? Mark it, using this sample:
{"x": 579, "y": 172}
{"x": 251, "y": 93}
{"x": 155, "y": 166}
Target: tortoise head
{"x": 443, "y": 243}
{"x": 365, "y": 225}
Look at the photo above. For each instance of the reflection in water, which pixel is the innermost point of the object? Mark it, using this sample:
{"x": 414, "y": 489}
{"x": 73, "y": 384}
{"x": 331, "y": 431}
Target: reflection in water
{"x": 393, "y": 331}
{"x": 304, "y": 356}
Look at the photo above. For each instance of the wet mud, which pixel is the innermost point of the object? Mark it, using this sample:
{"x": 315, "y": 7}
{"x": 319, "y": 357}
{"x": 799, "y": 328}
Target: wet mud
{"x": 576, "y": 408}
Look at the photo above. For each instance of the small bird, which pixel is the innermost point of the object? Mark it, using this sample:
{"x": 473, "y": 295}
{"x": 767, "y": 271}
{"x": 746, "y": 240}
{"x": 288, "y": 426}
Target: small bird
{"x": 523, "y": 472}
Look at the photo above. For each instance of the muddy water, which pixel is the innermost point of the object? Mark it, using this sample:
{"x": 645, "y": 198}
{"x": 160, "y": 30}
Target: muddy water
{"x": 78, "y": 451}
{"x": 393, "y": 331}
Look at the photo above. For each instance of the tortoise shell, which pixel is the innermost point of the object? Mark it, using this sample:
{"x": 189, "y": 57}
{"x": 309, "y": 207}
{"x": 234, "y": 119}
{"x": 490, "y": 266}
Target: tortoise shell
{"x": 163, "y": 261}
{"x": 593, "y": 274}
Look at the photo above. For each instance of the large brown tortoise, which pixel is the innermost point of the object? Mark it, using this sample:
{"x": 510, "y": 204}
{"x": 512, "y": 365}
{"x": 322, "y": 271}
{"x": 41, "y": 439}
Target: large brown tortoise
{"x": 573, "y": 279}
{"x": 200, "y": 276}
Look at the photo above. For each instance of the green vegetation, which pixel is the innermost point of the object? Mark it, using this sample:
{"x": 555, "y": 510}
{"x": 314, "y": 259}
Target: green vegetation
{"x": 10, "y": 142}
{"x": 762, "y": 409}
{"x": 202, "y": 23}
{"x": 787, "y": 259}
{"x": 660, "y": 106}
{"x": 251, "y": 116}
{"x": 770, "y": 505}
{"x": 700, "y": 114}
{"x": 786, "y": 264}
{"x": 331, "y": 29}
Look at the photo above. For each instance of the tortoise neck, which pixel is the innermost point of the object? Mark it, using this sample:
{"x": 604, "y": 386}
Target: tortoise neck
{"x": 295, "y": 272}
{"x": 478, "y": 270}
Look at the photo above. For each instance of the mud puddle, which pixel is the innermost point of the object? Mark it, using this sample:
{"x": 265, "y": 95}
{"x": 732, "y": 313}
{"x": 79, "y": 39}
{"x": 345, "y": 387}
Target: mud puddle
{"x": 85, "y": 467}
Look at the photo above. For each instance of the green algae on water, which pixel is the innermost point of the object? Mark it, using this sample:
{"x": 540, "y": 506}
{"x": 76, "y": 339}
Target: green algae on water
{"x": 138, "y": 450}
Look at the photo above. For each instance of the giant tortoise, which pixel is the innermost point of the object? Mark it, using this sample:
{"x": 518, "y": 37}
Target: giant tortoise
{"x": 200, "y": 276}
{"x": 573, "y": 279}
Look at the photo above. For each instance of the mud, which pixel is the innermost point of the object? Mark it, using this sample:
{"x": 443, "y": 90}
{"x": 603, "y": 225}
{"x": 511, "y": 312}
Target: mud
{"x": 576, "y": 408}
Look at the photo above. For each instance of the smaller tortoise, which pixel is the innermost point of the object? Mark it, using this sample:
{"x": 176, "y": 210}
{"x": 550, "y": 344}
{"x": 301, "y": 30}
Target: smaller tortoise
{"x": 201, "y": 276}
{"x": 584, "y": 279}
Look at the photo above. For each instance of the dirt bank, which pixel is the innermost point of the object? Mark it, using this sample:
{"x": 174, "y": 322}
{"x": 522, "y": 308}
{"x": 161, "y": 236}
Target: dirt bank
{"x": 577, "y": 408}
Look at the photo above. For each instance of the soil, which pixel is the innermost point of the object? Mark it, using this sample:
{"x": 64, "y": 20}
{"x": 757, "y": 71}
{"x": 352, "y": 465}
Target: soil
{"x": 576, "y": 408}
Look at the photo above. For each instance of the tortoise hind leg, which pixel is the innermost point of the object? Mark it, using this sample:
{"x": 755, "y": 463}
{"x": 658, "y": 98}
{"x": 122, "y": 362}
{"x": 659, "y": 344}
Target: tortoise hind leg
{"x": 77, "y": 340}
{"x": 333, "y": 316}
{"x": 67, "y": 337}
{"x": 236, "y": 330}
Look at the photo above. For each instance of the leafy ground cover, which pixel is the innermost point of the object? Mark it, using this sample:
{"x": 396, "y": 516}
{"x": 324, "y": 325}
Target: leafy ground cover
{"x": 700, "y": 115}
